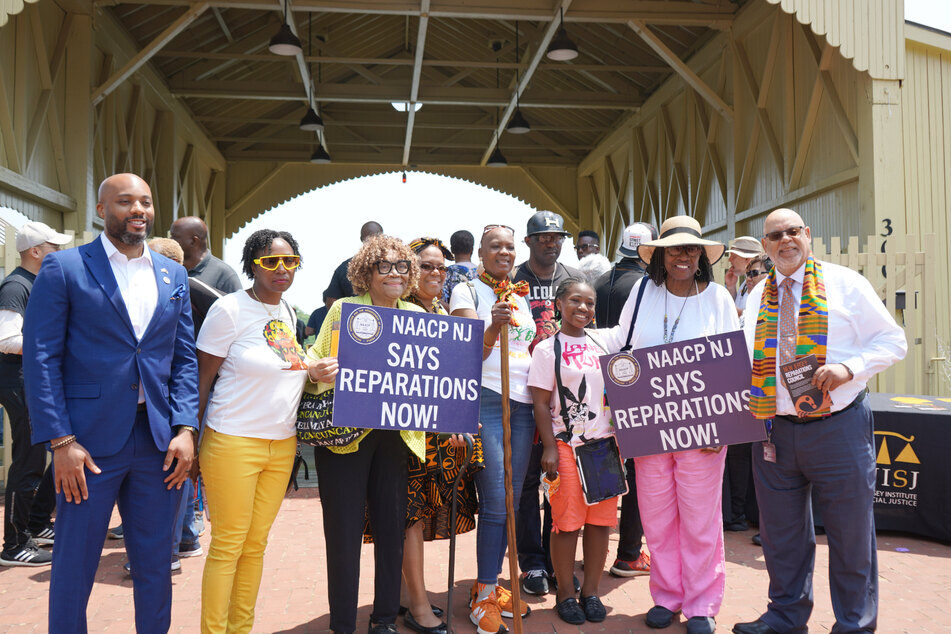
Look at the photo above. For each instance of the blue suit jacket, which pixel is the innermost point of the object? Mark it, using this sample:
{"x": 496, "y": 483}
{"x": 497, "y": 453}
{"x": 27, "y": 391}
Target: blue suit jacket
{"x": 82, "y": 363}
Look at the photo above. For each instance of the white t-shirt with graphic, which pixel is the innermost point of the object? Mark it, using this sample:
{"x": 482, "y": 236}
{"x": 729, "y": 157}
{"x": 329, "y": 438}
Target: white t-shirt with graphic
{"x": 261, "y": 379}
{"x": 582, "y": 386}
{"x": 520, "y": 337}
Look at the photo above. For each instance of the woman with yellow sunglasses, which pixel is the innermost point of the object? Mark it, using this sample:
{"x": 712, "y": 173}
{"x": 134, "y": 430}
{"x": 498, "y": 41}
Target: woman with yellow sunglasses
{"x": 248, "y": 344}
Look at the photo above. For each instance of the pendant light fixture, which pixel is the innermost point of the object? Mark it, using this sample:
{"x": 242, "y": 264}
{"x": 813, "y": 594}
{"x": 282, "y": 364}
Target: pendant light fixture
{"x": 562, "y": 49}
{"x": 320, "y": 156}
{"x": 284, "y": 41}
{"x": 517, "y": 124}
{"x": 496, "y": 159}
{"x": 311, "y": 121}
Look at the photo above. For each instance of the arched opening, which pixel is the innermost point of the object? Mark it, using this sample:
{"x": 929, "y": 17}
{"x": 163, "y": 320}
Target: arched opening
{"x": 326, "y": 221}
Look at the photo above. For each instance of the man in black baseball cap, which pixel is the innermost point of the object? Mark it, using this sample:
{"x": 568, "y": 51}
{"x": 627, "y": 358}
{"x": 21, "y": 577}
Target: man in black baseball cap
{"x": 545, "y": 236}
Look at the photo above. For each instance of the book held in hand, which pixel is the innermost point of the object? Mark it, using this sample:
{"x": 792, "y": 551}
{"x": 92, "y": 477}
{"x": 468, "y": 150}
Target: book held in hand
{"x": 797, "y": 377}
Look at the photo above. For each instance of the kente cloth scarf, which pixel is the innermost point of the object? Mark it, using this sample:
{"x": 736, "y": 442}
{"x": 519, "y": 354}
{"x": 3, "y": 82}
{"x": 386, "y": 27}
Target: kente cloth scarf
{"x": 504, "y": 290}
{"x": 811, "y": 335}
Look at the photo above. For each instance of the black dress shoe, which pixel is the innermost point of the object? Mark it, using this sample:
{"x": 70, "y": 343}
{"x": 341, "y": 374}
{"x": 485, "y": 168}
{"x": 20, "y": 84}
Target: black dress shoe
{"x": 753, "y": 627}
{"x": 701, "y": 625}
{"x": 414, "y": 625}
{"x": 437, "y": 611}
{"x": 737, "y": 526}
{"x": 757, "y": 539}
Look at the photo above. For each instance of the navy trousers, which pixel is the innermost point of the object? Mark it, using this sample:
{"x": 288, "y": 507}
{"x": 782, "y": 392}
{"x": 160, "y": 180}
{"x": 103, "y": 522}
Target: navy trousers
{"x": 133, "y": 478}
{"x": 829, "y": 463}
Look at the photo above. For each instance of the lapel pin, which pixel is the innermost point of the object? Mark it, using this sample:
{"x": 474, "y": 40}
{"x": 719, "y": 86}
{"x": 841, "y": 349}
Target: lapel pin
{"x": 164, "y": 270}
{"x": 166, "y": 280}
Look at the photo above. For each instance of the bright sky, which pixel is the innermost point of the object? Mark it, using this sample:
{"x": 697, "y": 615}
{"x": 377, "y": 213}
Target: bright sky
{"x": 933, "y": 13}
{"x": 326, "y": 222}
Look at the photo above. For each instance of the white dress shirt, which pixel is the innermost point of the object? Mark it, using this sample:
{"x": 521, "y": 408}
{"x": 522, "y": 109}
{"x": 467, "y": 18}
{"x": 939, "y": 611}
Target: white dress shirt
{"x": 862, "y": 334}
{"x": 11, "y": 332}
{"x": 136, "y": 281}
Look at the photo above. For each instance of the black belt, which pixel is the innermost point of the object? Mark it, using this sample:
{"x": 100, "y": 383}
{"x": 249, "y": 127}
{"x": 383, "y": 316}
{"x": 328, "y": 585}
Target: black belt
{"x": 811, "y": 419}
{"x": 140, "y": 407}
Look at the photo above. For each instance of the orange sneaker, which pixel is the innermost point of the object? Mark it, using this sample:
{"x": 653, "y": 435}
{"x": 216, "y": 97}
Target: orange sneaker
{"x": 504, "y": 598}
{"x": 485, "y": 614}
{"x": 636, "y": 568}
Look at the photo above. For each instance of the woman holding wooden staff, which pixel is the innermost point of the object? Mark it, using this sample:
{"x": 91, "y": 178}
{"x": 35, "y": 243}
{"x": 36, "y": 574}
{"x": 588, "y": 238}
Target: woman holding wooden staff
{"x": 501, "y": 304}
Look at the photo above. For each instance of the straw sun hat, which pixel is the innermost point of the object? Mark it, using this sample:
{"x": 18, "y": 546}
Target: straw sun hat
{"x": 681, "y": 231}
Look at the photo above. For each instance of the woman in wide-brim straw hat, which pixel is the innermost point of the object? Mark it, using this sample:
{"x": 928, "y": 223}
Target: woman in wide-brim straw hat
{"x": 679, "y": 494}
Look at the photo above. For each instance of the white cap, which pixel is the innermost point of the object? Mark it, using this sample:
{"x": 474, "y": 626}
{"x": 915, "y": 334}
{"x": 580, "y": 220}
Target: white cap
{"x": 33, "y": 234}
{"x": 632, "y": 238}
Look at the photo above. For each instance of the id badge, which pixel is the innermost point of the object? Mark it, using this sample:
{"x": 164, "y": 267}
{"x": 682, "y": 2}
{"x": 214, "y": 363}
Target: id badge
{"x": 769, "y": 452}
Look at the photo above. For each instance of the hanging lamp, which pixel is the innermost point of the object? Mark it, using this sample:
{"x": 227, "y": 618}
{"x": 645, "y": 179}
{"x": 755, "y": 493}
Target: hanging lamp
{"x": 517, "y": 124}
{"x": 562, "y": 48}
{"x": 284, "y": 41}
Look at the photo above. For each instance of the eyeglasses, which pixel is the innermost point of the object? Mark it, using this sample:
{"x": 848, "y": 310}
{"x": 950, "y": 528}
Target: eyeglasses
{"x": 690, "y": 249}
{"x": 549, "y": 238}
{"x": 586, "y": 247}
{"x": 427, "y": 267}
{"x": 756, "y": 273}
{"x": 489, "y": 228}
{"x": 271, "y": 262}
{"x": 385, "y": 266}
{"x": 776, "y": 236}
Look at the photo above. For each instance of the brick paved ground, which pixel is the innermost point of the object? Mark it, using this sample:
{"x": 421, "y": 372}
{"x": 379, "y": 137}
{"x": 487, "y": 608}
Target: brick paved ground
{"x": 915, "y": 578}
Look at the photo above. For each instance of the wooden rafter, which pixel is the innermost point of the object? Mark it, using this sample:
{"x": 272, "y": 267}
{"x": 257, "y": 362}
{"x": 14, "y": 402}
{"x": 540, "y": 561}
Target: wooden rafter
{"x": 824, "y": 65}
{"x": 682, "y": 69}
{"x": 148, "y": 51}
{"x": 759, "y": 93}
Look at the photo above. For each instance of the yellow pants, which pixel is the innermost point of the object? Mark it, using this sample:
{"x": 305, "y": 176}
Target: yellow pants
{"x": 245, "y": 480}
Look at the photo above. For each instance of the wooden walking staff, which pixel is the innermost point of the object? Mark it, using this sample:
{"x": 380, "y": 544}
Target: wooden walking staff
{"x": 509, "y": 495}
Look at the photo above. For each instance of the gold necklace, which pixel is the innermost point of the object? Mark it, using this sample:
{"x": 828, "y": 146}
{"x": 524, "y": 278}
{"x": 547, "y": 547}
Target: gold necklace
{"x": 268, "y": 310}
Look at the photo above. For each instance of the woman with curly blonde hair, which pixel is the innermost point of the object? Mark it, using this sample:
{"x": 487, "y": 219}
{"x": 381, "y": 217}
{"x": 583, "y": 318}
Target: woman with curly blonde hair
{"x": 371, "y": 470}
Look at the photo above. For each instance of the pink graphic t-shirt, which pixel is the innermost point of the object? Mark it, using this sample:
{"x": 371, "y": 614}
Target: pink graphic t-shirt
{"x": 582, "y": 387}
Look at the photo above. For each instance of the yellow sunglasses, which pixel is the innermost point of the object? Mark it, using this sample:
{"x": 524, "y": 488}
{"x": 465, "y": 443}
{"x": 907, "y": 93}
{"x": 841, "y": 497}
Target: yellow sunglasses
{"x": 271, "y": 262}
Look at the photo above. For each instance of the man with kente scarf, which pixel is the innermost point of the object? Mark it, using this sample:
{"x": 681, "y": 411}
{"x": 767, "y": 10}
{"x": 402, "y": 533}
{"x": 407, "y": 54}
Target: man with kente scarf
{"x": 807, "y": 307}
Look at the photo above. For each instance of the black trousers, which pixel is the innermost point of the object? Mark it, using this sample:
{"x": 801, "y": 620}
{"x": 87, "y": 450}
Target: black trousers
{"x": 30, "y": 497}
{"x": 630, "y": 531}
{"x": 373, "y": 477}
{"x": 739, "y": 495}
{"x": 532, "y": 531}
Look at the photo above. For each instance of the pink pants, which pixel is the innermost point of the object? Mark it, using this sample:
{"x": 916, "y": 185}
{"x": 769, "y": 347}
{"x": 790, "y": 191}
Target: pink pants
{"x": 679, "y": 496}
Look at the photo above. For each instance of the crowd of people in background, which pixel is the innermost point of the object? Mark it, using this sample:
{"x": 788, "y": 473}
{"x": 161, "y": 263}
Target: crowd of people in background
{"x": 144, "y": 367}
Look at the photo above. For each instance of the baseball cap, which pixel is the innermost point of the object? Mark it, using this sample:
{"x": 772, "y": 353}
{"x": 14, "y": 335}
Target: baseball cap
{"x": 546, "y": 222}
{"x": 632, "y": 238}
{"x": 746, "y": 247}
{"x": 33, "y": 234}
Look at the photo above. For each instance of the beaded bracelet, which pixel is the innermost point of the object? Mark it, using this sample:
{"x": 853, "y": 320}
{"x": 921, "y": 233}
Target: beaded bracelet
{"x": 69, "y": 439}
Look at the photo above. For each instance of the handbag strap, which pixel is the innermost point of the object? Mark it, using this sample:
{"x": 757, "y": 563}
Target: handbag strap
{"x": 637, "y": 308}
{"x": 558, "y": 384}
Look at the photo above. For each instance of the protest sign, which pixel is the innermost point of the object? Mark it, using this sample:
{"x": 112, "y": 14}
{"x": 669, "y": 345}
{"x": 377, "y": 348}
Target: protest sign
{"x": 683, "y": 395}
{"x": 403, "y": 369}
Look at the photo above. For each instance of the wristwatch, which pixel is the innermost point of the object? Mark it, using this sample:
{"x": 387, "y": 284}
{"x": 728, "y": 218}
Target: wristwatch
{"x": 193, "y": 430}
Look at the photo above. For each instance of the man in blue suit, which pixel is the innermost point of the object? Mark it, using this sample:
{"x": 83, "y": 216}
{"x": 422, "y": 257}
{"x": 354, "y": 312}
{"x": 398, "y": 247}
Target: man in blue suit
{"x": 111, "y": 381}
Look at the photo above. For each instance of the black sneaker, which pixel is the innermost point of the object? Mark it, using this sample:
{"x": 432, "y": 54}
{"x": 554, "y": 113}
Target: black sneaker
{"x": 535, "y": 582}
{"x": 593, "y": 609}
{"x": 45, "y": 537}
{"x": 115, "y": 533}
{"x": 190, "y": 550}
{"x": 570, "y": 612}
{"x": 574, "y": 580}
{"x": 27, "y": 555}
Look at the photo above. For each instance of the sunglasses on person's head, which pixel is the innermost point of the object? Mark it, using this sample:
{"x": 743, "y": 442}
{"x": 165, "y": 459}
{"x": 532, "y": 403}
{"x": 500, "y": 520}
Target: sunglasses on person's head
{"x": 271, "y": 262}
{"x": 755, "y": 273}
{"x": 385, "y": 266}
{"x": 428, "y": 267}
{"x": 776, "y": 236}
{"x": 489, "y": 228}
{"x": 690, "y": 249}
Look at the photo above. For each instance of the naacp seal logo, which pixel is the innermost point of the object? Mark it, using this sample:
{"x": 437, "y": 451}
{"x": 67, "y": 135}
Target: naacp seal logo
{"x": 624, "y": 369}
{"x": 365, "y": 325}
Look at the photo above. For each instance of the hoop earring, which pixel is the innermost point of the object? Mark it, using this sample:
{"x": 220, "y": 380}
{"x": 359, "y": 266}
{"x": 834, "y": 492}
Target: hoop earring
{"x": 697, "y": 274}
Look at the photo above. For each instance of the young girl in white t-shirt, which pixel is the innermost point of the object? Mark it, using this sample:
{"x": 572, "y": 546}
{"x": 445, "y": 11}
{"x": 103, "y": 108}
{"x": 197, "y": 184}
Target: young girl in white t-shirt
{"x": 580, "y": 391}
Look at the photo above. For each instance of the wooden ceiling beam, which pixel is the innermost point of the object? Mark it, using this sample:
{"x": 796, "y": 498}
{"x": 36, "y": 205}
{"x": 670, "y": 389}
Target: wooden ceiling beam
{"x": 417, "y": 71}
{"x": 483, "y": 124}
{"x": 431, "y": 95}
{"x": 660, "y": 12}
{"x": 148, "y": 51}
{"x": 681, "y": 68}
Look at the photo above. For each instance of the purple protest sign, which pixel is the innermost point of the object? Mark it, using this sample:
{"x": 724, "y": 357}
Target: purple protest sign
{"x": 403, "y": 369}
{"x": 683, "y": 395}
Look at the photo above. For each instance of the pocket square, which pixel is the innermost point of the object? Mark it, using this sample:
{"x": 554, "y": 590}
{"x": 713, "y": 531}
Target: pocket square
{"x": 178, "y": 293}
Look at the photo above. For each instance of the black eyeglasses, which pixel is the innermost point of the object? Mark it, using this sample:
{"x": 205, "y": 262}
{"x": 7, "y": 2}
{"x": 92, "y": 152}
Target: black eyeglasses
{"x": 587, "y": 247}
{"x": 385, "y": 266}
{"x": 690, "y": 249}
{"x": 756, "y": 273}
{"x": 776, "y": 236}
{"x": 427, "y": 267}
